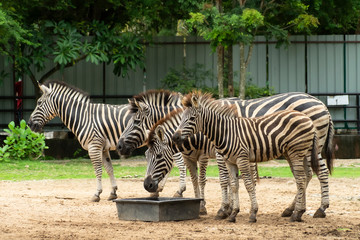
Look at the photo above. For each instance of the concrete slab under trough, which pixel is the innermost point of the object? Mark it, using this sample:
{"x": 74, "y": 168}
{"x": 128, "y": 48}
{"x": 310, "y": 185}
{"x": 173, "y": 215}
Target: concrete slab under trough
{"x": 158, "y": 209}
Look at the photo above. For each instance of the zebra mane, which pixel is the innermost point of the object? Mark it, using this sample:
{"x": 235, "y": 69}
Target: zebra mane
{"x": 84, "y": 96}
{"x": 150, "y": 98}
{"x": 207, "y": 101}
{"x": 168, "y": 117}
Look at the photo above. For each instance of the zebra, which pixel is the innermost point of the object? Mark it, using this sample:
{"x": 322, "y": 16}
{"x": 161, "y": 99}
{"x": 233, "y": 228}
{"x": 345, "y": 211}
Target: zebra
{"x": 147, "y": 108}
{"x": 97, "y": 126}
{"x": 135, "y": 133}
{"x": 288, "y": 132}
{"x": 160, "y": 153}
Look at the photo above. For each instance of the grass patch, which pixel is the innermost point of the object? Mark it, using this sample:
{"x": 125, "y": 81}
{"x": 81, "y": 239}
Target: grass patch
{"x": 76, "y": 169}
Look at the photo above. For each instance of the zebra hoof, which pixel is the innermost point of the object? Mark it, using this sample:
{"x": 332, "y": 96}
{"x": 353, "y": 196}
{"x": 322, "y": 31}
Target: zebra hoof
{"x": 112, "y": 197}
{"x": 287, "y": 213}
{"x": 221, "y": 214}
{"x": 319, "y": 213}
{"x": 296, "y": 216}
{"x": 95, "y": 198}
{"x": 154, "y": 195}
{"x": 252, "y": 219}
{"x": 232, "y": 219}
{"x": 203, "y": 211}
{"x": 178, "y": 195}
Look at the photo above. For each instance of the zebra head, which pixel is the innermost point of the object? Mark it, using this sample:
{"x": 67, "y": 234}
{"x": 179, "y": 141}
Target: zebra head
{"x": 159, "y": 158}
{"x": 44, "y": 110}
{"x": 136, "y": 131}
{"x": 190, "y": 121}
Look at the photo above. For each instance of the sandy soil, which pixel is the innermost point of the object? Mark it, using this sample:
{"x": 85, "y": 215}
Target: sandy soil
{"x": 60, "y": 209}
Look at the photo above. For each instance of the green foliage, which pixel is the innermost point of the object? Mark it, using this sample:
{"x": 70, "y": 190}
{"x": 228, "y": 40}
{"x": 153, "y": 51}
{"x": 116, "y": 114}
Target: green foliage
{"x": 253, "y": 91}
{"x": 11, "y": 32}
{"x": 187, "y": 79}
{"x": 22, "y": 143}
{"x": 304, "y": 23}
{"x": 225, "y": 29}
{"x": 335, "y": 17}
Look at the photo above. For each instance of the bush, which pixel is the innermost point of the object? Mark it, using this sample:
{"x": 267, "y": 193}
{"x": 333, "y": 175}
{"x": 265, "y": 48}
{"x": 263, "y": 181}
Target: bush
{"x": 187, "y": 79}
{"x": 253, "y": 91}
{"x": 22, "y": 143}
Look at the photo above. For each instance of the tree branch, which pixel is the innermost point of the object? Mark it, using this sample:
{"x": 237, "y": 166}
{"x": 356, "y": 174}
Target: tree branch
{"x": 248, "y": 58}
{"x": 58, "y": 66}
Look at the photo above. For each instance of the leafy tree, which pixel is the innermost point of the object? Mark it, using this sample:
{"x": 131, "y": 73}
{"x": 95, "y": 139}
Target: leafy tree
{"x": 336, "y": 16}
{"x": 240, "y": 24}
{"x": 69, "y": 31}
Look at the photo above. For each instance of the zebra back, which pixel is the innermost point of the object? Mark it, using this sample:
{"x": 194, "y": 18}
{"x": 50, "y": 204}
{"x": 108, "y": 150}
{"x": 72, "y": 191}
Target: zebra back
{"x": 89, "y": 122}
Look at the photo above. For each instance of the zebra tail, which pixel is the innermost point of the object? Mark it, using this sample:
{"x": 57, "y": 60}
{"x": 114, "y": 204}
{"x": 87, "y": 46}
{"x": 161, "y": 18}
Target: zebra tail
{"x": 314, "y": 156}
{"x": 329, "y": 146}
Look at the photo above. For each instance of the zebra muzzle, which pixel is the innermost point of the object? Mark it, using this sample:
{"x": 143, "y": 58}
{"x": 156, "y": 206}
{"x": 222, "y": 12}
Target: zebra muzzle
{"x": 122, "y": 148}
{"x": 35, "y": 127}
{"x": 177, "y": 138}
{"x": 150, "y": 184}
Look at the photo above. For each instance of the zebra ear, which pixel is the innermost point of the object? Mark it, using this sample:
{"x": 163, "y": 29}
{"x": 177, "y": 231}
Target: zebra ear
{"x": 44, "y": 89}
{"x": 160, "y": 133}
{"x": 142, "y": 106}
{"x": 194, "y": 101}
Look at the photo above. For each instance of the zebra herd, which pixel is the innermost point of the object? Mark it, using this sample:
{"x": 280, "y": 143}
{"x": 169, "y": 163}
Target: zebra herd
{"x": 188, "y": 130}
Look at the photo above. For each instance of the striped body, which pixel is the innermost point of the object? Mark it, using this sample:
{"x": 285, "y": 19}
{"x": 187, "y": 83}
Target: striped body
{"x": 160, "y": 154}
{"x": 97, "y": 126}
{"x": 147, "y": 109}
{"x": 243, "y": 140}
{"x": 149, "y": 105}
{"x": 196, "y": 149}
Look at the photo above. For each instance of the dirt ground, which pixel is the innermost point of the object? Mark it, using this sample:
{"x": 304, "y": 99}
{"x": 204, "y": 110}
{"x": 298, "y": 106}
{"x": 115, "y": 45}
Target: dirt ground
{"x": 61, "y": 209}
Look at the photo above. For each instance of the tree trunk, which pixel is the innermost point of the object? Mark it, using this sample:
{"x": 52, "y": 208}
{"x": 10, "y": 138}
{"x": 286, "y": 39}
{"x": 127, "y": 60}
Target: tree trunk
{"x": 242, "y": 72}
{"x": 220, "y": 59}
{"x": 230, "y": 74}
{"x": 243, "y": 66}
{"x": 220, "y": 70}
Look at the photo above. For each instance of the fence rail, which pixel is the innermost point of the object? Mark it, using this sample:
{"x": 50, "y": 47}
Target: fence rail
{"x": 344, "y": 120}
{"x": 352, "y": 105}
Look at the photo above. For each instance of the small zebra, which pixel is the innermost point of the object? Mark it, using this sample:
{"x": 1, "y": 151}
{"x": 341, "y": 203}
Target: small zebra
{"x": 150, "y": 105}
{"x": 160, "y": 159}
{"x": 289, "y": 133}
{"x": 161, "y": 148}
{"x": 97, "y": 126}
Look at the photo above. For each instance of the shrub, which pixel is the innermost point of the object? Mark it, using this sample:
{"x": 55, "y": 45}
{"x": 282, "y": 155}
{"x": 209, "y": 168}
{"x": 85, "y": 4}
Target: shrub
{"x": 253, "y": 91}
{"x": 187, "y": 79}
{"x": 22, "y": 143}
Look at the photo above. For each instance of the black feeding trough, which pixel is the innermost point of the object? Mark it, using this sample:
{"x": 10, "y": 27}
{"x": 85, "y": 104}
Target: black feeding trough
{"x": 158, "y": 209}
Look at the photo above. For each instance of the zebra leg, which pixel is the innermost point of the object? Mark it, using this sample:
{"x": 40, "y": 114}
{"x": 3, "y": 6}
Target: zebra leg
{"x": 95, "y": 154}
{"x": 300, "y": 178}
{"x": 225, "y": 209}
{"x": 110, "y": 171}
{"x": 289, "y": 210}
{"x": 160, "y": 187}
{"x": 234, "y": 186}
{"x": 192, "y": 167}
{"x": 179, "y": 161}
{"x": 203, "y": 163}
{"x": 248, "y": 178}
{"x": 324, "y": 184}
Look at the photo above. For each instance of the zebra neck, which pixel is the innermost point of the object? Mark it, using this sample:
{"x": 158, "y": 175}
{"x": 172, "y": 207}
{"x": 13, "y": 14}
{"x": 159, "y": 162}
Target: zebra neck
{"x": 214, "y": 127}
{"x": 73, "y": 113}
